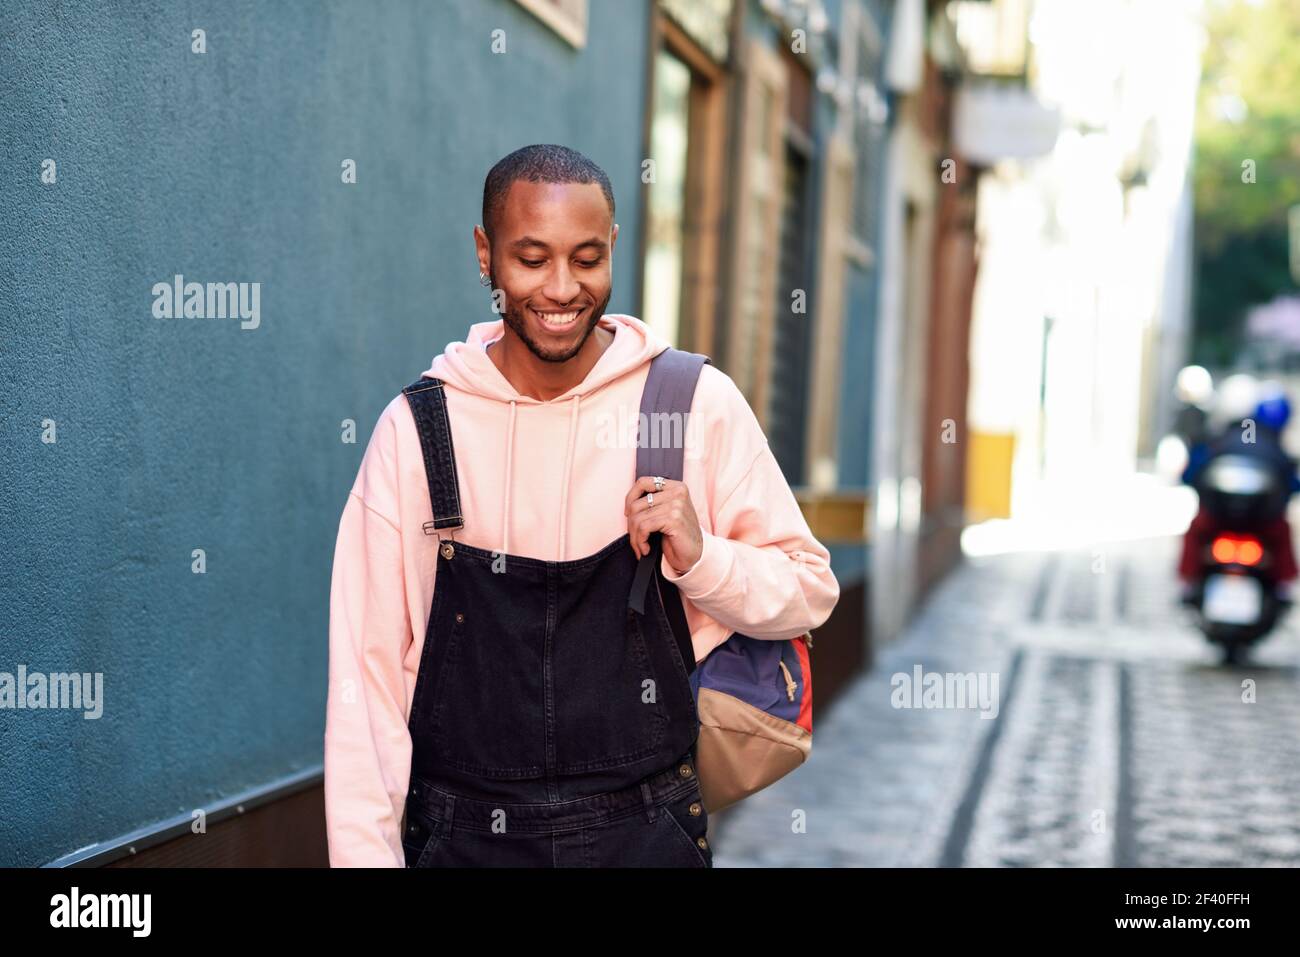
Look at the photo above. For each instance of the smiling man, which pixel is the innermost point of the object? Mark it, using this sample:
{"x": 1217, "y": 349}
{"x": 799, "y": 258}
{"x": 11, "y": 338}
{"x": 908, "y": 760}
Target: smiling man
{"x": 550, "y": 313}
{"x": 493, "y": 701}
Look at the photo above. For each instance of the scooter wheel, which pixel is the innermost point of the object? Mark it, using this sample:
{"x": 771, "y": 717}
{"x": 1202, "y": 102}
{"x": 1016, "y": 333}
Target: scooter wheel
{"x": 1233, "y": 653}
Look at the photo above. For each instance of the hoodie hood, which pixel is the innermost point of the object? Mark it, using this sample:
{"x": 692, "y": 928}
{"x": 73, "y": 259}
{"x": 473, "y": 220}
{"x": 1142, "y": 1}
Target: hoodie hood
{"x": 466, "y": 366}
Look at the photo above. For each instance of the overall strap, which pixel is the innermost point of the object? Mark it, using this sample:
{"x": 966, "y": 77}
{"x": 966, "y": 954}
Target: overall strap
{"x": 669, "y": 390}
{"x": 429, "y": 407}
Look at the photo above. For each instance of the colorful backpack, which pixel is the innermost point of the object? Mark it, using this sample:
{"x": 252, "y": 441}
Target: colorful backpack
{"x": 753, "y": 696}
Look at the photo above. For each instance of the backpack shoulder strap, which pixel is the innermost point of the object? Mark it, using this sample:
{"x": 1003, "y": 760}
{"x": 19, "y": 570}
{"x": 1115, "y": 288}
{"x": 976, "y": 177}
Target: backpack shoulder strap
{"x": 665, "y": 410}
{"x": 665, "y": 407}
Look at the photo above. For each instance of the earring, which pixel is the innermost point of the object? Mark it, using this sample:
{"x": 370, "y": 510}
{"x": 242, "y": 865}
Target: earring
{"x": 484, "y": 279}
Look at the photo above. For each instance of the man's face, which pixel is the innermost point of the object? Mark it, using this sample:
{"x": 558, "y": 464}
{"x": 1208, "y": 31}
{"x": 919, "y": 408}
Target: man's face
{"x": 551, "y": 256}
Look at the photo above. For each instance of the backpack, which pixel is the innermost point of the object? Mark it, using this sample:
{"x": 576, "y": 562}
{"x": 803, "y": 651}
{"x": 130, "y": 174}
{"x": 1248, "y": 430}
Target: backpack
{"x": 753, "y": 696}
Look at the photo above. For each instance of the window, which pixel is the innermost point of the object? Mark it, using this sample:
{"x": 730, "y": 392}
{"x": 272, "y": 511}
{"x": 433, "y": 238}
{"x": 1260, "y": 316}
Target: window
{"x": 707, "y": 22}
{"x": 666, "y": 196}
{"x": 568, "y": 18}
{"x": 685, "y": 135}
{"x": 793, "y": 317}
{"x": 761, "y": 159}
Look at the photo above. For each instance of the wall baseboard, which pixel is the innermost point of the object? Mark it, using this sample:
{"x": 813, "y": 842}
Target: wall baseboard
{"x": 277, "y": 825}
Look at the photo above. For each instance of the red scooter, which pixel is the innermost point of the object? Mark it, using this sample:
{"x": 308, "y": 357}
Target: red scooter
{"x": 1235, "y": 595}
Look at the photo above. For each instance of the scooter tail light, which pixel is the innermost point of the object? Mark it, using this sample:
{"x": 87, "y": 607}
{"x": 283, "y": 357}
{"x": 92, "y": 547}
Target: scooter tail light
{"x": 1249, "y": 552}
{"x": 1230, "y": 550}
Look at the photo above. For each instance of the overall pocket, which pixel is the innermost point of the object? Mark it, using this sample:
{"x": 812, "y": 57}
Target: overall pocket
{"x": 488, "y": 707}
{"x": 420, "y": 838}
{"x": 687, "y": 822}
{"x": 608, "y": 701}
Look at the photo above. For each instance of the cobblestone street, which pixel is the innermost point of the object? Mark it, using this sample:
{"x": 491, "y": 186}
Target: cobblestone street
{"x": 1118, "y": 738}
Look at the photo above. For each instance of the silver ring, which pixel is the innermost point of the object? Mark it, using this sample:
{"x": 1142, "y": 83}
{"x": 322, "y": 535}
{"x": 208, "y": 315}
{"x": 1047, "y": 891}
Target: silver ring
{"x": 650, "y": 499}
{"x": 659, "y": 483}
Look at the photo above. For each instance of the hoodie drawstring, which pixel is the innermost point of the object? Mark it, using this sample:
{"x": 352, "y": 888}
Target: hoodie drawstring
{"x": 505, "y": 504}
{"x": 568, "y": 469}
{"x": 564, "y": 491}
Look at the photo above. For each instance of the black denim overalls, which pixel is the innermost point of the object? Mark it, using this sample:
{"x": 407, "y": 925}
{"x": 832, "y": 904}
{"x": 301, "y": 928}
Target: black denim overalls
{"x": 551, "y": 725}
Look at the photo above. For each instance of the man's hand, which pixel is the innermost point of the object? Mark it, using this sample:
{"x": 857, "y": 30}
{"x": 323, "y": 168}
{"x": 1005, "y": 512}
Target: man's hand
{"x": 672, "y": 514}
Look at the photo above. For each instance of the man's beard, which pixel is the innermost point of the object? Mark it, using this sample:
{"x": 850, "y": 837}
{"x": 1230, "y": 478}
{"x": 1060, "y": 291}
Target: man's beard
{"x": 514, "y": 318}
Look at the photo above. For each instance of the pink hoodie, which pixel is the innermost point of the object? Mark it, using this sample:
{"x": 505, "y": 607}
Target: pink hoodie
{"x": 537, "y": 479}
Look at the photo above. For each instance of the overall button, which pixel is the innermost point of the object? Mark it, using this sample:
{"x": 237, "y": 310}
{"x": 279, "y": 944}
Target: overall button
{"x": 684, "y": 770}
{"x": 704, "y": 845}
{"x": 696, "y": 810}
{"x": 447, "y": 550}
{"x": 459, "y": 617}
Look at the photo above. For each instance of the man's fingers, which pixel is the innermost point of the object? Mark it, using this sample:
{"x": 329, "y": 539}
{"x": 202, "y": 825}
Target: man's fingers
{"x": 642, "y": 524}
{"x": 644, "y": 484}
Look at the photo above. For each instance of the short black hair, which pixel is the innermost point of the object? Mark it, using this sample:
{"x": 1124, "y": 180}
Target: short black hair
{"x": 539, "y": 163}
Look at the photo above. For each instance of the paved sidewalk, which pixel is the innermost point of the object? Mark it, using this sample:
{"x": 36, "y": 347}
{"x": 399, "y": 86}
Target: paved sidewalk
{"x": 1118, "y": 740}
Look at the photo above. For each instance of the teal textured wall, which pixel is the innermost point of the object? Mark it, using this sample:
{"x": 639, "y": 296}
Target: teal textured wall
{"x": 177, "y": 434}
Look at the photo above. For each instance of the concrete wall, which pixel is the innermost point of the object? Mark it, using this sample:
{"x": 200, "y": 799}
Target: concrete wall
{"x": 180, "y": 434}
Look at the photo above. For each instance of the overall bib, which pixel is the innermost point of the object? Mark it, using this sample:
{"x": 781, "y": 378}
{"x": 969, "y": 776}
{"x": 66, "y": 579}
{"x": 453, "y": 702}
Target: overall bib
{"x": 551, "y": 725}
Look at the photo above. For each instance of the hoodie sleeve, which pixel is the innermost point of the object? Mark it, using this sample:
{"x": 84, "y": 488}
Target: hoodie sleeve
{"x": 761, "y": 572}
{"x": 367, "y": 743}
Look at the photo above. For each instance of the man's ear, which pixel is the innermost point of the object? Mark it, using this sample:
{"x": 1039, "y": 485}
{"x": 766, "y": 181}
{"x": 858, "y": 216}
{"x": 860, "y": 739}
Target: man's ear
{"x": 483, "y": 250}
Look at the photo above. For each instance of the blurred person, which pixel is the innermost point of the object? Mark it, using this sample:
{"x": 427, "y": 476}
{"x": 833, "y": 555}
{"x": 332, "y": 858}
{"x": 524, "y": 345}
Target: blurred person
{"x": 1235, "y": 401}
{"x": 1194, "y": 388}
{"x": 1263, "y": 442}
{"x": 517, "y": 686}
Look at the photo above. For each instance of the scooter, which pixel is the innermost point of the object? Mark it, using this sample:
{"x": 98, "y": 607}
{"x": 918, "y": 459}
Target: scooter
{"x": 1235, "y": 595}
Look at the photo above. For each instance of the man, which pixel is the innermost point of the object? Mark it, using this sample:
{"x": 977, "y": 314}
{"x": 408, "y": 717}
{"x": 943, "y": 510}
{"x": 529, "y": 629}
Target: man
{"x": 1194, "y": 389}
{"x": 519, "y": 713}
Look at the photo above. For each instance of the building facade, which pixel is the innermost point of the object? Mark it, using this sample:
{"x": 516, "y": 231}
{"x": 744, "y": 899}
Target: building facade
{"x": 781, "y": 177}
